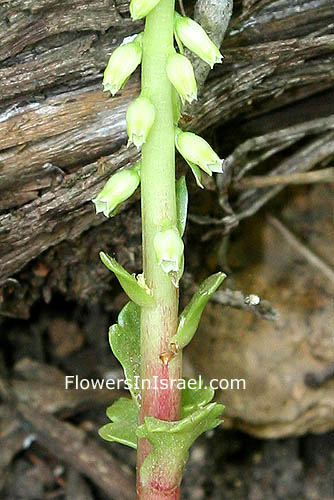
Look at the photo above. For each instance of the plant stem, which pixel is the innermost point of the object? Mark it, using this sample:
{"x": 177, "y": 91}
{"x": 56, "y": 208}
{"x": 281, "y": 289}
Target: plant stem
{"x": 158, "y": 324}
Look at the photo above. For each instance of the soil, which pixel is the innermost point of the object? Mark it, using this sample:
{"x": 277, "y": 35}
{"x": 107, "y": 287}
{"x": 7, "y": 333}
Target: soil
{"x": 223, "y": 464}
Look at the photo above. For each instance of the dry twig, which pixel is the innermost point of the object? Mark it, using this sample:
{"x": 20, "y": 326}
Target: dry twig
{"x": 301, "y": 248}
{"x": 71, "y": 445}
{"x": 257, "y": 181}
{"x": 250, "y": 303}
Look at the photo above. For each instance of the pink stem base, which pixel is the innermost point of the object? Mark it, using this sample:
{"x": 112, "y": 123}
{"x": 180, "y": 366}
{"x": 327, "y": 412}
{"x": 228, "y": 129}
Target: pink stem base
{"x": 150, "y": 493}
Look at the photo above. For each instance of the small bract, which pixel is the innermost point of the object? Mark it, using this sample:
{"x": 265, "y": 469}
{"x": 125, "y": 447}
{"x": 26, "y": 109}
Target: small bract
{"x": 176, "y": 103}
{"x": 117, "y": 189}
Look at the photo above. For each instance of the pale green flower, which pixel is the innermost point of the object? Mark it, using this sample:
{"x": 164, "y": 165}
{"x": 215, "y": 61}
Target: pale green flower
{"x": 181, "y": 74}
{"x": 122, "y": 63}
{"x": 193, "y": 36}
{"x": 117, "y": 189}
{"x": 139, "y": 120}
{"x": 197, "y": 151}
{"x": 168, "y": 246}
{"x": 140, "y": 8}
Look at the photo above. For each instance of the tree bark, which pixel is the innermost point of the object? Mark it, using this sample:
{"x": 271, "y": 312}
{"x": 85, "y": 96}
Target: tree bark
{"x": 61, "y": 136}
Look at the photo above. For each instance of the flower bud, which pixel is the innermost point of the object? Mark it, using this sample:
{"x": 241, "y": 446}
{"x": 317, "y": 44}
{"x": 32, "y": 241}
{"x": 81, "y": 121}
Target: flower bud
{"x": 140, "y": 8}
{"x": 196, "y": 150}
{"x": 168, "y": 246}
{"x": 122, "y": 63}
{"x": 193, "y": 36}
{"x": 139, "y": 120}
{"x": 181, "y": 74}
{"x": 117, "y": 189}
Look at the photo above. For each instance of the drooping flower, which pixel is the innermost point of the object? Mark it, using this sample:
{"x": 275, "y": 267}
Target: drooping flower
{"x": 168, "y": 246}
{"x": 139, "y": 120}
{"x": 117, "y": 189}
{"x": 122, "y": 63}
{"x": 193, "y": 36}
{"x": 181, "y": 74}
{"x": 196, "y": 150}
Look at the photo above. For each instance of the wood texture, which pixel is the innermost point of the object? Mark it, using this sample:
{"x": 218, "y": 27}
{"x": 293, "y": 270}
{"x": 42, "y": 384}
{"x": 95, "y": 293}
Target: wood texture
{"x": 61, "y": 136}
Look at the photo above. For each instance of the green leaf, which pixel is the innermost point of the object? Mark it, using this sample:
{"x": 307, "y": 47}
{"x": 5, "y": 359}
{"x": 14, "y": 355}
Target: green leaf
{"x": 137, "y": 291}
{"x": 124, "y": 416}
{"x": 194, "y": 397}
{"x": 124, "y": 339}
{"x": 172, "y": 440}
{"x": 191, "y": 315}
{"x": 181, "y": 204}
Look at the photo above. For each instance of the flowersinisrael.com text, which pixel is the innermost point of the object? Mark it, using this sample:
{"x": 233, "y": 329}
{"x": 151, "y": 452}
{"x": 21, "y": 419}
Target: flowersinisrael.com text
{"x": 74, "y": 382}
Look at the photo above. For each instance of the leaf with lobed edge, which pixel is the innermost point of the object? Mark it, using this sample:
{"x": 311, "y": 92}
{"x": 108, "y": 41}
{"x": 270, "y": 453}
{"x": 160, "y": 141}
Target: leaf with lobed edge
{"x": 135, "y": 290}
{"x": 191, "y": 315}
{"x": 123, "y": 415}
{"x": 194, "y": 398}
{"x": 124, "y": 339}
{"x": 176, "y": 437}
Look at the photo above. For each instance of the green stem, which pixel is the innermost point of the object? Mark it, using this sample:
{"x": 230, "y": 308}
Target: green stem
{"x": 158, "y": 324}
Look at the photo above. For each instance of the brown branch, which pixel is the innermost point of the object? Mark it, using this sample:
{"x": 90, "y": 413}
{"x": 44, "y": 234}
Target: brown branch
{"x": 55, "y": 216}
{"x": 317, "y": 176}
{"x": 38, "y": 23}
{"x": 71, "y": 445}
{"x": 32, "y": 400}
{"x": 249, "y": 303}
{"x": 306, "y": 158}
{"x": 43, "y": 388}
